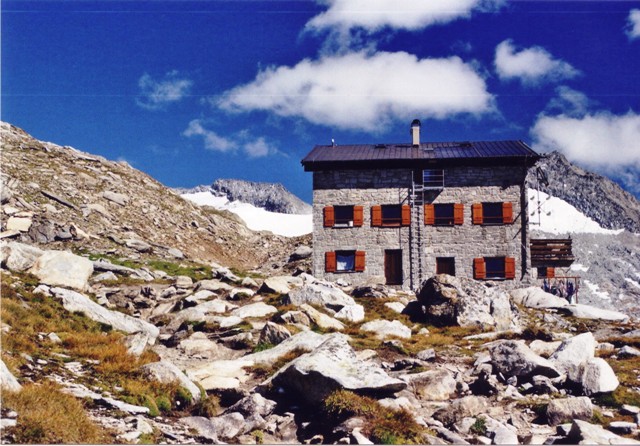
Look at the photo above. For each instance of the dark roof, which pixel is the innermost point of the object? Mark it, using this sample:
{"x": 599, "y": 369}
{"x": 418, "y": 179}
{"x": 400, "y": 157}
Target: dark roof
{"x": 399, "y": 155}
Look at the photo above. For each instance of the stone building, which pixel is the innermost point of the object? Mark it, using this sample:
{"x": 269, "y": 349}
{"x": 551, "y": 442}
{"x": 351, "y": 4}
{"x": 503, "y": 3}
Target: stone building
{"x": 400, "y": 213}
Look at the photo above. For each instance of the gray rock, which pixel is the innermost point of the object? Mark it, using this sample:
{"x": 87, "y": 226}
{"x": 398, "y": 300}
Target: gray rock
{"x": 277, "y": 285}
{"x": 105, "y": 265}
{"x": 573, "y": 408}
{"x": 175, "y": 253}
{"x": 543, "y": 348}
{"x": 535, "y": 297}
{"x": 124, "y": 407}
{"x": 138, "y": 245}
{"x": 351, "y": 313}
{"x": 258, "y": 309}
{"x": 104, "y": 277}
{"x": 230, "y": 425}
{"x": 504, "y": 435}
{"x": 586, "y": 433}
{"x": 136, "y": 343}
{"x": 203, "y": 426}
{"x": 433, "y": 385}
{"x": 76, "y": 302}
{"x": 319, "y": 293}
{"x": 254, "y": 404}
{"x": 19, "y": 257}
{"x": 165, "y": 372}
{"x": 61, "y": 268}
{"x": 301, "y": 252}
{"x": 628, "y": 352}
{"x": 512, "y": 358}
{"x": 469, "y": 406}
{"x": 573, "y": 353}
{"x": 115, "y": 197}
{"x": 598, "y": 377}
{"x": 273, "y": 334}
{"x": 7, "y": 380}
{"x": 333, "y": 365}
{"x": 581, "y": 311}
{"x": 395, "y": 306}
{"x": 295, "y": 317}
{"x": 623, "y": 427}
{"x": 426, "y": 355}
{"x": 184, "y": 282}
{"x": 21, "y": 224}
{"x": 213, "y": 285}
{"x": 628, "y": 409}
{"x": 385, "y": 329}
{"x": 320, "y": 319}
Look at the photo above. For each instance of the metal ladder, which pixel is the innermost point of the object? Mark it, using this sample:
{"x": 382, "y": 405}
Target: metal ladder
{"x": 416, "y": 200}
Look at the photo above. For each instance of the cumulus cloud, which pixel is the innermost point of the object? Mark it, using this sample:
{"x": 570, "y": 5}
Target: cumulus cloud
{"x": 374, "y": 15}
{"x": 253, "y": 148}
{"x": 157, "y": 94}
{"x": 364, "y": 92}
{"x": 212, "y": 141}
{"x": 569, "y": 102}
{"x": 633, "y": 24}
{"x": 602, "y": 141}
{"x": 531, "y": 66}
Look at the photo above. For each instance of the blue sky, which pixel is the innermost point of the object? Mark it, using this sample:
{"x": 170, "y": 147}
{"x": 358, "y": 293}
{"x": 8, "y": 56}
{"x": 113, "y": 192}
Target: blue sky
{"x": 191, "y": 91}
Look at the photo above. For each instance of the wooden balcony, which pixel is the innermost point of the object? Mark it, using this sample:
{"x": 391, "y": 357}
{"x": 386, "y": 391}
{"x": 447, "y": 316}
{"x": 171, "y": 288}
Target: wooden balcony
{"x": 551, "y": 252}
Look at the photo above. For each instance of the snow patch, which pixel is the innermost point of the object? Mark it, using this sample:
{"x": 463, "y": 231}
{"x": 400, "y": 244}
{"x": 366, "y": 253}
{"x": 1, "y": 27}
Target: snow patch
{"x": 595, "y": 289}
{"x": 257, "y": 219}
{"x": 555, "y": 216}
{"x": 579, "y": 267}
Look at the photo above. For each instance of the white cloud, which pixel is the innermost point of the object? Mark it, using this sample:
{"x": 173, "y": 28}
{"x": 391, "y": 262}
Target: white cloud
{"x": 633, "y": 24}
{"x": 530, "y": 65}
{"x": 569, "y": 102}
{"x": 364, "y": 92}
{"x": 601, "y": 141}
{"x": 374, "y": 15}
{"x": 157, "y": 94}
{"x": 259, "y": 148}
{"x": 212, "y": 141}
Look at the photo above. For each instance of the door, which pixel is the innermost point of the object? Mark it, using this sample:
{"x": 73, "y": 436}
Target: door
{"x": 393, "y": 266}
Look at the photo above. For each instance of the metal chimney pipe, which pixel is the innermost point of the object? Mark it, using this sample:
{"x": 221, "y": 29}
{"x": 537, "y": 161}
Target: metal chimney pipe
{"x": 415, "y": 132}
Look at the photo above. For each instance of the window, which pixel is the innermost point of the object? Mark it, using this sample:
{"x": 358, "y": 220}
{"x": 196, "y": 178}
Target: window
{"x": 494, "y": 268}
{"x": 492, "y": 213}
{"x": 443, "y": 214}
{"x": 391, "y": 215}
{"x": 433, "y": 178}
{"x": 343, "y": 216}
{"x": 446, "y": 265}
{"x": 344, "y": 261}
{"x": 547, "y": 272}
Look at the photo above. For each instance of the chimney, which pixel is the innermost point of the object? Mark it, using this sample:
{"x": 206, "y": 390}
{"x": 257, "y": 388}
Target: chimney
{"x": 415, "y": 132}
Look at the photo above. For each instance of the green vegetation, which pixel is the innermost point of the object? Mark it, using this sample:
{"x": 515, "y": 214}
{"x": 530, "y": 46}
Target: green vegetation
{"x": 479, "y": 427}
{"x": 382, "y": 425}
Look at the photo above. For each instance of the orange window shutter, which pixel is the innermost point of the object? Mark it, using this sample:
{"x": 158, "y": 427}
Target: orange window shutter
{"x": 330, "y": 262}
{"x": 476, "y": 209}
{"x": 429, "y": 214}
{"x": 360, "y": 257}
{"x": 479, "y": 268}
{"x": 507, "y": 213}
{"x": 376, "y": 215}
{"x": 358, "y": 216}
{"x": 509, "y": 268}
{"x": 551, "y": 272}
{"x": 406, "y": 215}
{"x": 329, "y": 217}
{"x": 458, "y": 214}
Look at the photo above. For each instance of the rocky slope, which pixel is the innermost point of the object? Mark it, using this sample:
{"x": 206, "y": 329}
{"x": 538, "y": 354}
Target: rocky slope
{"x": 63, "y": 198}
{"x": 273, "y": 197}
{"x": 594, "y": 195}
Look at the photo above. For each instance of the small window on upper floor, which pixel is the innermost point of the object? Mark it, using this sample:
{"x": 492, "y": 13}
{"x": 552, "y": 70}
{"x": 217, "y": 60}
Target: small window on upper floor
{"x": 391, "y": 215}
{"x": 444, "y": 214}
{"x": 492, "y": 213}
{"x": 433, "y": 178}
{"x": 343, "y": 216}
{"x": 446, "y": 265}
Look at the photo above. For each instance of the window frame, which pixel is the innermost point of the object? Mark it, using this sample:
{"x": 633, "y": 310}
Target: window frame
{"x": 343, "y": 222}
{"x": 346, "y": 253}
{"x": 443, "y": 221}
{"x": 500, "y": 274}
{"x": 493, "y": 220}
{"x": 390, "y": 222}
{"x": 440, "y": 260}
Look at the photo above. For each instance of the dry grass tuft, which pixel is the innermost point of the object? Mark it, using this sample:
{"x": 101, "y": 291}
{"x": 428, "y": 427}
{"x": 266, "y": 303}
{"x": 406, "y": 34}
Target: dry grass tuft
{"x": 47, "y": 416}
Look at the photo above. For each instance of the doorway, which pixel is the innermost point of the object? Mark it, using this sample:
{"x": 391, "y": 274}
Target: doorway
{"x": 393, "y": 266}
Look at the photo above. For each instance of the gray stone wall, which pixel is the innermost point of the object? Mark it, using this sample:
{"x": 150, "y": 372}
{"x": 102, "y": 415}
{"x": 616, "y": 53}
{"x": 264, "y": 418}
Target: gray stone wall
{"x": 466, "y": 185}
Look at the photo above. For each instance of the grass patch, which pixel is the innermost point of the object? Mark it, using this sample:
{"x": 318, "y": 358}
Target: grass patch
{"x": 382, "y": 425}
{"x": 628, "y": 372}
{"x": 47, "y": 416}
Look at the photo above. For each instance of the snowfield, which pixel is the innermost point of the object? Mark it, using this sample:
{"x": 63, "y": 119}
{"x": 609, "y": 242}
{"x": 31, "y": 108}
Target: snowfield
{"x": 555, "y": 216}
{"x": 257, "y": 219}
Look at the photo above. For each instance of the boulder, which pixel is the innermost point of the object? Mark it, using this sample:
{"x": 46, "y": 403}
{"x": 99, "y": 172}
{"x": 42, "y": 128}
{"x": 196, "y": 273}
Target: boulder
{"x": 567, "y": 409}
{"x": 230, "y": 425}
{"x": 384, "y": 329}
{"x": 395, "y": 306}
{"x": 514, "y": 358}
{"x": 184, "y": 282}
{"x": 628, "y": 352}
{"x": 254, "y": 404}
{"x": 213, "y": 285}
{"x": 62, "y": 268}
{"x": 301, "y": 252}
{"x": 573, "y": 353}
{"x": 138, "y": 245}
{"x": 543, "y": 348}
{"x": 76, "y": 302}
{"x": 273, "y": 334}
{"x": 166, "y": 372}
{"x": 598, "y": 377}
{"x": 433, "y": 385}
{"x": 455, "y": 411}
{"x": 450, "y": 300}
{"x": 258, "y": 309}
{"x": 320, "y": 319}
{"x": 19, "y": 257}
{"x": 136, "y": 343}
{"x": 581, "y": 311}
{"x": 536, "y": 297}
{"x": 585, "y": 433}
{"x": 21, "y": 224}
{"x": 203, "y": 427}
{"x": 7, "y": 380}
{"x": 115, "y": 197}
{"x": 331, "y": 366}
{"x": 351, "y": 313}
{"x": 319, "y": 293}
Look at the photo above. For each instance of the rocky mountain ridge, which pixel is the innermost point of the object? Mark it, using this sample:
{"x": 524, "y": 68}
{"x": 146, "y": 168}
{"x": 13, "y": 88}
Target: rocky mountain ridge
{"x": 273, "y": 197}
{"x": 594, "y": 195}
